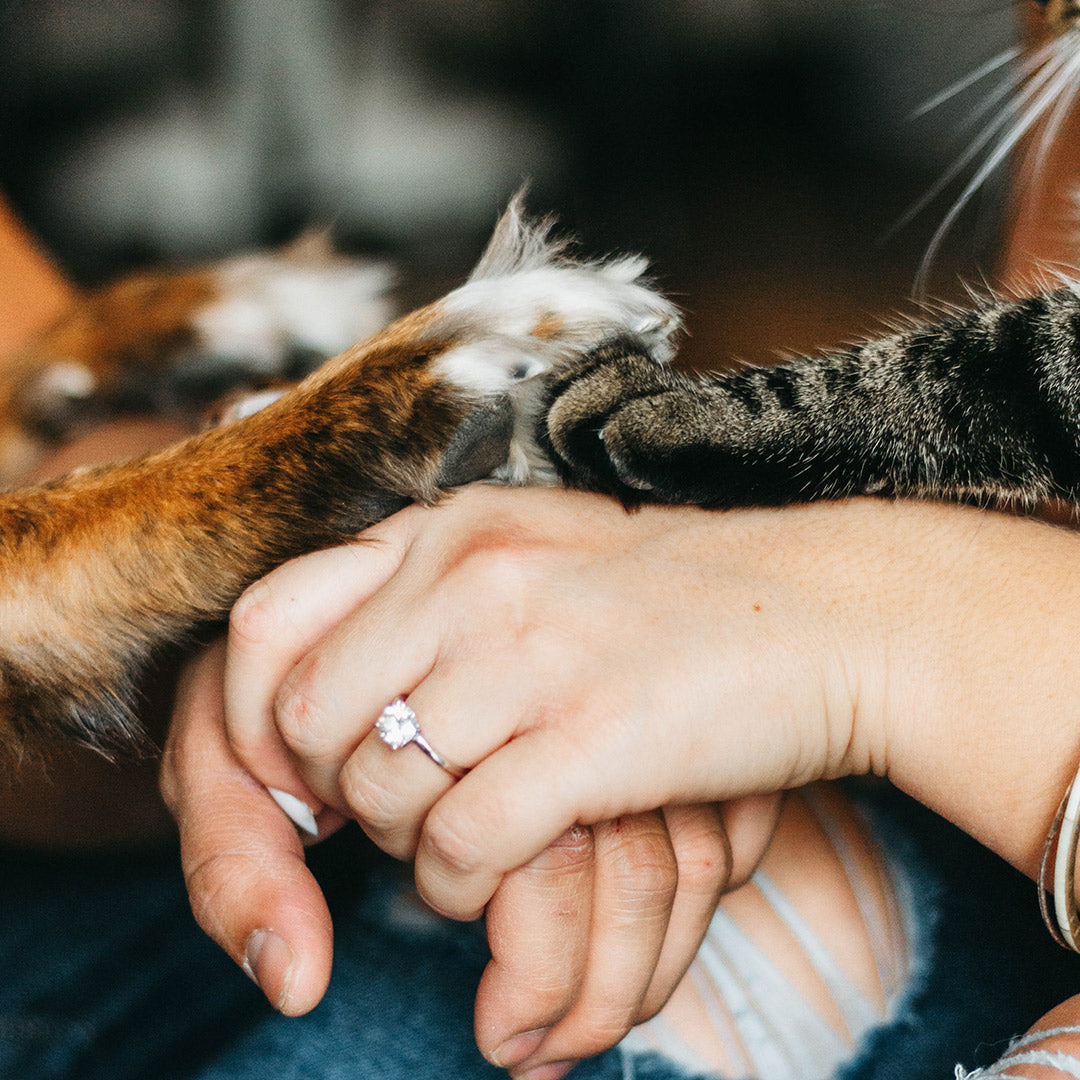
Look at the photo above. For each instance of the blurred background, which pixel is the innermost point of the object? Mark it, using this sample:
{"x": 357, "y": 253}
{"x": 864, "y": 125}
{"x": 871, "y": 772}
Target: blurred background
{"x": 760, "y": 152}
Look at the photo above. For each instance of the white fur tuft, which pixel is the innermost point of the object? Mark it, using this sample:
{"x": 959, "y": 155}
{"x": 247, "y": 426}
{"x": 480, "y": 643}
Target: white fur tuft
{"x": 518, "y": 244}
{"x": 529, "y": 307}
{"x": 304, "y": 295}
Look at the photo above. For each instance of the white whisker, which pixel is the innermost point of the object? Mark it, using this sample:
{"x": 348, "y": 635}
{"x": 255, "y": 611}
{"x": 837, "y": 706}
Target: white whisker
{"x": 1000, "y": 122}
{"x": 992, "y": 101}
{"x": 1012, "y": 80}
{"x": 961, "y": 85}
{"x": 1040, "y": 94}
{"x": 1062, "y": 107}
{"x": 1040, "y": 56}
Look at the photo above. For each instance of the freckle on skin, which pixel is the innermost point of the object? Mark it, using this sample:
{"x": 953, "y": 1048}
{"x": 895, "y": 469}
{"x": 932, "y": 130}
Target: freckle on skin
{"x": 757, "y": 607}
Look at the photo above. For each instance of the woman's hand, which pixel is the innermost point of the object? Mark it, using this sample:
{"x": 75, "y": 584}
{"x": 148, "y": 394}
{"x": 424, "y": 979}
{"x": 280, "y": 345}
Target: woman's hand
{"x": 587, "y": 663}
{"x": 588, "y": 939}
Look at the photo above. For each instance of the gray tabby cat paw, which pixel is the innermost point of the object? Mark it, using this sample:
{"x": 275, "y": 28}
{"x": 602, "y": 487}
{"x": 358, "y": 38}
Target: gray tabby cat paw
{"x": 619, "y": 423}
{"x": 597, "y": 426}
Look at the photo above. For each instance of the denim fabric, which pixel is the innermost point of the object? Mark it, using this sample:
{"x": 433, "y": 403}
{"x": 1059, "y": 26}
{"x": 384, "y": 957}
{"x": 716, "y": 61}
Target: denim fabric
{"x": 993, "y": 969}
{"x": 104, "y": 976}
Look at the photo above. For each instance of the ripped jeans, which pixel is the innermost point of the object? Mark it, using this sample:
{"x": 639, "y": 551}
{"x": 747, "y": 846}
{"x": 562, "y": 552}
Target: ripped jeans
{"x": 105, "y": 976}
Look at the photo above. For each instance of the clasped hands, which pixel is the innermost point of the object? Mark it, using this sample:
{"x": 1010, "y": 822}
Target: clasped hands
{"x": 629, "y": 692}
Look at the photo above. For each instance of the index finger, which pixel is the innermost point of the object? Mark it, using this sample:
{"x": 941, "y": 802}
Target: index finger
{"x": 277, "y": 621}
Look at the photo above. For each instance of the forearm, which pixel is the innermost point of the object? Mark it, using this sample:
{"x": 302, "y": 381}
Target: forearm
{"x": 981, "y": 710}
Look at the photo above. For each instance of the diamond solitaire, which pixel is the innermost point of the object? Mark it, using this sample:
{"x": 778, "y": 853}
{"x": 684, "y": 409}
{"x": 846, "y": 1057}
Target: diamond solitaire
{"x": 397, "y": 726}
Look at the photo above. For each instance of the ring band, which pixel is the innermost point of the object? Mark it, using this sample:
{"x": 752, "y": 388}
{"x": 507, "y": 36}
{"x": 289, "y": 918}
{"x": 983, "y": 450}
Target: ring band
{"x": 397, "y": 727}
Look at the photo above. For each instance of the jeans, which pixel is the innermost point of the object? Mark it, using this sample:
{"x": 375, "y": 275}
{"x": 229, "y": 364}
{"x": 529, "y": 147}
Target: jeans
{"x": 105, "y": 976}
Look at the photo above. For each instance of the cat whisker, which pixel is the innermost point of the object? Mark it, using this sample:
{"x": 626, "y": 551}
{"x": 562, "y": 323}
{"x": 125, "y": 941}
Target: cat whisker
{"x": 999, "y": 123}
{"x": 1058, "y": 114}
{"x": 1008, "y": 85}
{"x": 1044, "y": 90}
{"x": 992, "y": 102}
{"x": 1013, "y": 78}
{"x": 970, "y": 79}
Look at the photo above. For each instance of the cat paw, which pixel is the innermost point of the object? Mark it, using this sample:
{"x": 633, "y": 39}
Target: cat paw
{"x": 530, "y": 313}
{"x": 620, "y": 424}
{"x": 603, "y": 421}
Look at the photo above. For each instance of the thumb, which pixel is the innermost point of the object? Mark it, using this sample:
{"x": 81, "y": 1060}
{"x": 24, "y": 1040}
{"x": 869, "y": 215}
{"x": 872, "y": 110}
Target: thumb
{"x": 243, "y": 862}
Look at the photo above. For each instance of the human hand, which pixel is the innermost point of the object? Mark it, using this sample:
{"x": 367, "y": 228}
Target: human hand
{"x": 600, "y": 641}
{"x": 242, "y": 859}
{"x": 592, "y": 664}
{"x": 571, "y": 967}
{"x": 593, "y": 935}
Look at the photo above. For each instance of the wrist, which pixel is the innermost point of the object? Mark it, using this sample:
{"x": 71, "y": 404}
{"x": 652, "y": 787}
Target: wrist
{"x": 981, "y": 723}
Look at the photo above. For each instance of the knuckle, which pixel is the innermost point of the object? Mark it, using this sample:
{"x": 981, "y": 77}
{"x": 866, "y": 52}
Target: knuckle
{"x": 498, "y": 565}
{"x": 298, "y": 716}
{"x": 541, "y": 990}
{"x": 448, "y": 846}
{"x": 644, "y": 862}
{"x": 644, "y": 871}
{"x": 210, "y": 883}
{"x": 254, "y": 619}
{"x": 571, "y": 852}
{"x": 647, "y": 887}
{"x": 705, "y": 874}
{"x": 705, "y": 863}
{"x": 373, "y": 803}
{"x": 606, "y": 1026}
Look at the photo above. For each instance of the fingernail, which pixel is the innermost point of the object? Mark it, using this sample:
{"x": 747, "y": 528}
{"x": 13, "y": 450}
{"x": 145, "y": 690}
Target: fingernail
{"x": 268, "y": 962}
{"x": 517, "y": 1048}
{"x": 299, "y": 813}
{"x": 554, "y": 1070}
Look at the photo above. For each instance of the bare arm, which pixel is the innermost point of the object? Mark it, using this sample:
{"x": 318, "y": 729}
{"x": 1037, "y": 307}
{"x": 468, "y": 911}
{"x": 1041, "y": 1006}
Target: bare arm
{"x": 735, "y": 653}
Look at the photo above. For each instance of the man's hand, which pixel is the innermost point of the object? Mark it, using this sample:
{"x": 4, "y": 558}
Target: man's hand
{"x": 243, "y": 862}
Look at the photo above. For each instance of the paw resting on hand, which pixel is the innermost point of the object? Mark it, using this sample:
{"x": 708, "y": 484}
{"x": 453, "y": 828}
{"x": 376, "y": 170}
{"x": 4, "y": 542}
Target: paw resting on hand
{"x": 612, "y": 423}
